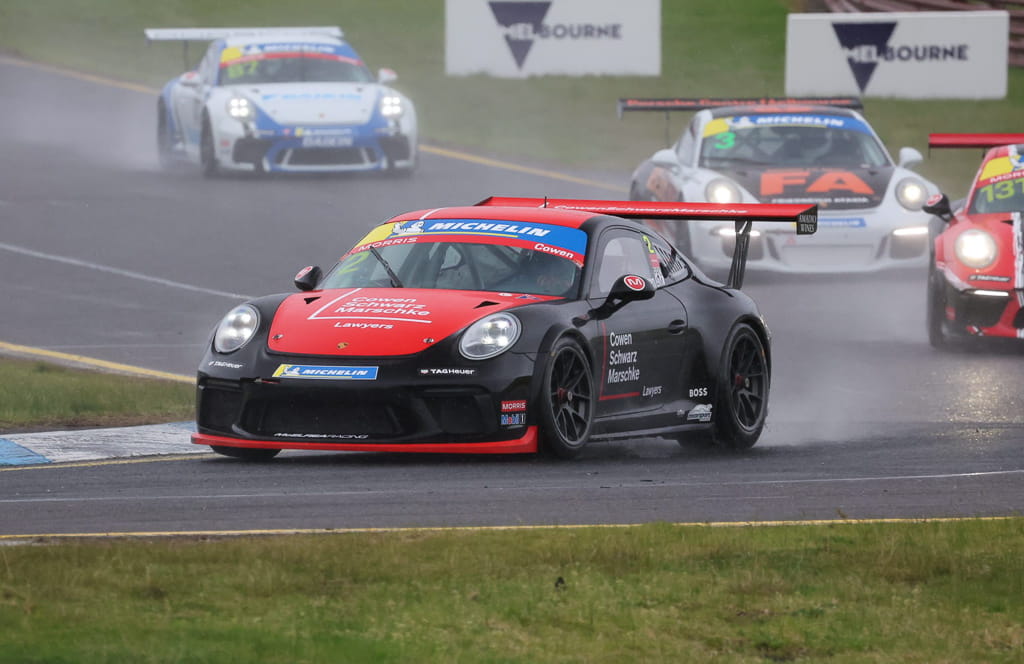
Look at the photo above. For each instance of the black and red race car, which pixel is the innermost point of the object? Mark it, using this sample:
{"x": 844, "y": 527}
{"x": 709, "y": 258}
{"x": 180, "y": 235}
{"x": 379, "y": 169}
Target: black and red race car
{"x": 512, "y": 326}
{"x": 976, "y": 278}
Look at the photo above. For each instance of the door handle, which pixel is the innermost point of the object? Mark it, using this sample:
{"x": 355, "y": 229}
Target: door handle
{"x": 677, "y": 326}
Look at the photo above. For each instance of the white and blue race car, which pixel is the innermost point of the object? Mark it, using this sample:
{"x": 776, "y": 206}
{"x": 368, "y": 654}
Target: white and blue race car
{"x": 282, "y": 99}
{"x": 789, "y": 151}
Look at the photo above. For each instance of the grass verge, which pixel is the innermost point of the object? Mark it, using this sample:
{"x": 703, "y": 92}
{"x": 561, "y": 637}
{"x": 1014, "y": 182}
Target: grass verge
{"x": 922, "y": 592}
{"x": 36, "y": 395}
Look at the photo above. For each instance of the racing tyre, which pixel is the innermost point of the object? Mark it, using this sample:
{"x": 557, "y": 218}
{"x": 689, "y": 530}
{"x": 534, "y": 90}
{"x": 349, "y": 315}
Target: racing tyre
{"x": 936, "y": 314}
{"x": 247, "y": 453}
{"x": 207, "y": 154}
{"x": 567, "y": 400}
{"x": 741, "y": 405}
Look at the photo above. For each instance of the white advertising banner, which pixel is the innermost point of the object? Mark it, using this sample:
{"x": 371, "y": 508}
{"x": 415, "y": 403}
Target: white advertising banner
{"x": 518, "y": 39}
{"x": 912, "y": 55}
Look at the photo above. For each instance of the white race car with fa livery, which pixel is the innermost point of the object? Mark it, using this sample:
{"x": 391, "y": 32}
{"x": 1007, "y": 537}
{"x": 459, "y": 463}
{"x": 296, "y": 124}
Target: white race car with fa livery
{"x": 790, "y": 151}
{"x": 282, "y": 99}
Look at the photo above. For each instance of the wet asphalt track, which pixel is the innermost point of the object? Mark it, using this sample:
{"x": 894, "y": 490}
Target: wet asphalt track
{"x": 102, "y": 255}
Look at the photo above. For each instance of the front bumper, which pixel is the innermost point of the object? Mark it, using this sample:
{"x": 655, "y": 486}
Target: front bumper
{"x": 320, "y": 149}
{"x": 401, "y": 409}
{"x": 982, "y": 312}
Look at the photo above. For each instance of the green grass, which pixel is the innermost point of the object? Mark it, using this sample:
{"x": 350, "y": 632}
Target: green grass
{"x": 709, "y": 48}
{"x": 926, "y": 592}
{"x": 37, "y": 394}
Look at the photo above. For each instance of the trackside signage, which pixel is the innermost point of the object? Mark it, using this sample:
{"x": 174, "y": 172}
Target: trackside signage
{"x": 912, "y": 55}
{"x": 518, "y": 39}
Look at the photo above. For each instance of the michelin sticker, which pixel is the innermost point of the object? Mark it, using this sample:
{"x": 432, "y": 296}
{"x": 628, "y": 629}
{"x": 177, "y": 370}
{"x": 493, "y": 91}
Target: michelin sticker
{"x": 310, "y": 371}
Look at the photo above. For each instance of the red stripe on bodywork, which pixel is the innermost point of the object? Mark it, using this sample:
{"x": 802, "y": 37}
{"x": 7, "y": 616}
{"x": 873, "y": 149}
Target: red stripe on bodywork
{"x": 525, "y": 445}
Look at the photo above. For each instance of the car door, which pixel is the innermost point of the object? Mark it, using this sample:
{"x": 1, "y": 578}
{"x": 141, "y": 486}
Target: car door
{"x": 638, "y": 348}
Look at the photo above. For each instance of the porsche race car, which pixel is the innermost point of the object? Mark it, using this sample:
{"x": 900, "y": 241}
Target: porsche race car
{"x": 976, "y": 274}
{"x": 792, "y": 151}
{"x": 282, "y": 99}
{"x": 512, "y": 326}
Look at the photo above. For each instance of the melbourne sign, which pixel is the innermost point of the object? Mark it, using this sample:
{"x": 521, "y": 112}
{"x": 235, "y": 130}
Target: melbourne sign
{"x": 522, "y": 38}
{"x": 913, "y": 55}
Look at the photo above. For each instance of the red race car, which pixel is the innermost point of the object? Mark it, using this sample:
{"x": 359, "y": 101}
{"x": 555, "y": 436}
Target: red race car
{"x": 512, "y": 326}
{"x": 976, "y": 278}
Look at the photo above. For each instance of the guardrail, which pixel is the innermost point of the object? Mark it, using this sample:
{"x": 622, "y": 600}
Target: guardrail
{"x": 1014, "y": 7}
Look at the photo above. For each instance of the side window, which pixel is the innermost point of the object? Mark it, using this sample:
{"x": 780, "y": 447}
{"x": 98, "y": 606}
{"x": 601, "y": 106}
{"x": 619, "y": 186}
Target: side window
{"x": 672, "y": 266}
{"x": 686, "y": 146}
{"x": 209, "y": 66}
{"x": 623, "y": 252}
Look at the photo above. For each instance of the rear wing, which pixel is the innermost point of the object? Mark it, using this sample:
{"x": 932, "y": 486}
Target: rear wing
{"x": 744, "y": 214}
{"x": 668, "y": 105}
{"x": 209, "y": 34}
{"x": 686, "y": 104}
{"x": 973, "y": 140}
{"x": 186, "y": 35}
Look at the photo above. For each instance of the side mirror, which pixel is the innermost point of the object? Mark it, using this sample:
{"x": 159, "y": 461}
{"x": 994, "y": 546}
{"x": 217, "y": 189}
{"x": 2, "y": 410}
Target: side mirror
{"x": 910, "y": 157}
{"x": 667, "y": 159}
{"x": 631, "y": 287}
{"x": 386, "y": 75}
{"x": 938, "y": 205}
{"x": 308, "y": 277}
{"x": 627, "y": 288}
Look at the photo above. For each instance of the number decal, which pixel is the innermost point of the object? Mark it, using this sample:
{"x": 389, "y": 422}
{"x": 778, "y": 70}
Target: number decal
{"x": 725, "y": 141}
{"x": 353, "y": 261}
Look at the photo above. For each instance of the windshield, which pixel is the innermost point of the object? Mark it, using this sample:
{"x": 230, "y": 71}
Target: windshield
{"x": 464, "y": 261}
{"x": 1004, "y": 195}
{"x": 293, "y": 68}
{"x": 790, "y": 140}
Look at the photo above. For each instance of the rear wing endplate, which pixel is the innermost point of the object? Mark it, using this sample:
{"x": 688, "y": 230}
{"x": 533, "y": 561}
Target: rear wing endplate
{"x": 973, "y": 140}
{"x": 743, "y": 214}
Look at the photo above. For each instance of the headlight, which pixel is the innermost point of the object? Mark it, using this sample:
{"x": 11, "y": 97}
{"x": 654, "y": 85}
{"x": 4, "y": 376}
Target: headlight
{"x": 730, "y": 233}
{"x": 721, "y": 190}
{"x": 240, "y": 108}
{"x": 391, "y": 106}
{"x": 489, "y": 336}
{"x": 911, "y": 193}
{"x": 911, "y": 231}
{"x": 236, "y": 329}
{"x": 975, "y": 248}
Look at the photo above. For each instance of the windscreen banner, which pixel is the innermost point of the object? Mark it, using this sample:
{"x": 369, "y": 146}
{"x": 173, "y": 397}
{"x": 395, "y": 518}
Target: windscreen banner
{"x": 910, "y": 55}
{"x": 519, "y": 39}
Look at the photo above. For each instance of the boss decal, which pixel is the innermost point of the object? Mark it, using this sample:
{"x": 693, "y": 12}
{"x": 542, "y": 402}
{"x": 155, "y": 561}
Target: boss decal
{"x": 310, "y": 371}
{"x": 698, "y": 392}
